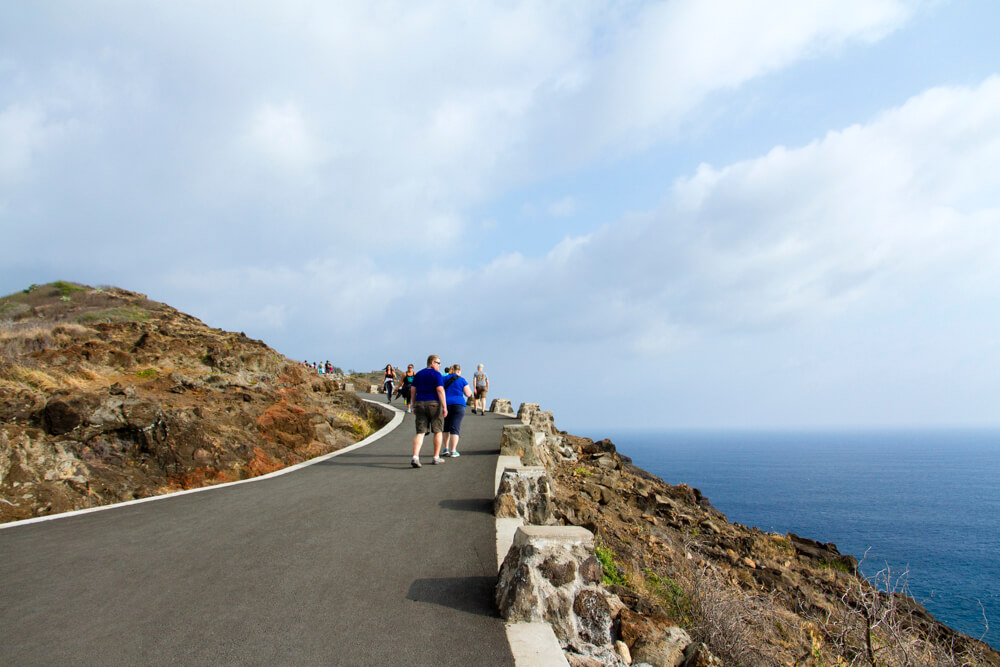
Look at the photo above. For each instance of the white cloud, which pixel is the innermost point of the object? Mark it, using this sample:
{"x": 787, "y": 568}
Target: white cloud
{"x": 280, "y": 133}
{"x": 271, "y": 316}
{"x": 667, "y": 58}
{"x": 398, "y": 116}
{"x": 340, "y": 175}
{"x": 867, "y": 215}
{"x": 563, "y": 208}
{"x": 26, "y": 132}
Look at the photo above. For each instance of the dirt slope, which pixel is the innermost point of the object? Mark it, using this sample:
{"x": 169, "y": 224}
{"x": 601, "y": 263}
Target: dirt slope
{"x": 107, "y": 396}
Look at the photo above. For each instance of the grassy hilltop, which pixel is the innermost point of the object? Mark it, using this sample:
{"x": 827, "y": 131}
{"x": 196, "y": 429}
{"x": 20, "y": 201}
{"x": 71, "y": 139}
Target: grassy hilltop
{"x": 106, "y": 395}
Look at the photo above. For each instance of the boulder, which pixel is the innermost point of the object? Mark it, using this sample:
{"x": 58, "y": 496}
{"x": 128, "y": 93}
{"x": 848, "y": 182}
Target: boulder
{"x": 63, "y": 414}
{"x": 653, "y": 639}
{"x": 599, "y": 447}
{"x": 823, "y": 552}
{"x": 621, "y": 648}
{"x": 698, "y": 655}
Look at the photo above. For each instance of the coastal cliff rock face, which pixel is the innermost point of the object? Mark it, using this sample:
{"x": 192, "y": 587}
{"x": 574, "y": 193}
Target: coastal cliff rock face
{"x": 693, "y": 589}
{"x": 107, "y": 396}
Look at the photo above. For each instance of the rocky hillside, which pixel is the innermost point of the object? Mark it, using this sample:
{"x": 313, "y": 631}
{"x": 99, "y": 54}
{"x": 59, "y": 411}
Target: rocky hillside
{"x": 752, "y": 598}
{"x": 107, "y": 396}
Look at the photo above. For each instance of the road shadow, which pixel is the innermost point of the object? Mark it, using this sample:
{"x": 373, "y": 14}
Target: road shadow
{"x": 473, "y": 595}
{"x": 484, "y": 505}
{"x": 365, "y": 460}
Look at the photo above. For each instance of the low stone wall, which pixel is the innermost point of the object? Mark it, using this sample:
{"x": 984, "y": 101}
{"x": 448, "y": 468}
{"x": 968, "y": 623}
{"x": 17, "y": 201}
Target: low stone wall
{"x": 549, "y": 574}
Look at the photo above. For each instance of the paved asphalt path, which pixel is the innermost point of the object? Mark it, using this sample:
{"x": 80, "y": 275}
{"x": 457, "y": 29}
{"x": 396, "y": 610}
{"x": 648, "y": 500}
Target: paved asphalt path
{"x": 356, "y": 560}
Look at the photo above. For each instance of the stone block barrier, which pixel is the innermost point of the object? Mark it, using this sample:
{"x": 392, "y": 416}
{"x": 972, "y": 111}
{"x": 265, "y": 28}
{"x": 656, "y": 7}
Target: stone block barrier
{"x": 525, "y": 493}
{"x": 551, "y": 575}
{"x": 525, "y": 412}
{"x": 502, "y": 406}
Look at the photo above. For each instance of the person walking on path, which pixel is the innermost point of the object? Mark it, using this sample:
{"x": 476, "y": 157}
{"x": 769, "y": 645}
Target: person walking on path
{"x": 456, "y": 393}
{"x": 405, "y": 387}
{"x": 388, "y": 381}
{"x": 429, "y": 408}
{"x": 482, "y": 383}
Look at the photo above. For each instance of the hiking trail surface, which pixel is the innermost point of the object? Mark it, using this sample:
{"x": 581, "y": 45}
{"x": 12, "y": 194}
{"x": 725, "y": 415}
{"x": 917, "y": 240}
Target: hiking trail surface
{"x": 355, "y": 560}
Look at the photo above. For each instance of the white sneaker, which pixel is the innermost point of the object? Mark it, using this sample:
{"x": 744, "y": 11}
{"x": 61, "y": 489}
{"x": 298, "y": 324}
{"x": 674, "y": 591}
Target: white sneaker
{"x": 437, "y": 460}
{"x": 455, "y": 455}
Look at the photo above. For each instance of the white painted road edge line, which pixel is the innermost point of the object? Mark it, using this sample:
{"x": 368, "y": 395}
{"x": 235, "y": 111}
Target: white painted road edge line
{"x": 396, "y": 420}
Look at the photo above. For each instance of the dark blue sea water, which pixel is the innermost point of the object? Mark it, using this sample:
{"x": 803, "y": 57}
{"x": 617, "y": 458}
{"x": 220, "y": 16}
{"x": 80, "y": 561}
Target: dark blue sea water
{"x": 922, "y": 502}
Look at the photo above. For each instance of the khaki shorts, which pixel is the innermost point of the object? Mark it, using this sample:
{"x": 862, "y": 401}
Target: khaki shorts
{"x": 481, "y": 392}
{"x": 428, "y": 417}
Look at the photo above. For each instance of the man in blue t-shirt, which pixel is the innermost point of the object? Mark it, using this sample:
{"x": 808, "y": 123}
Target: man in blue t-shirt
{"x": 429, "y": 408}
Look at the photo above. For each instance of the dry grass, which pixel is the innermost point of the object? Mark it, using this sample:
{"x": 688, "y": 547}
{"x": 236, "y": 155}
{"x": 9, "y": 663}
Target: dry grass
{"x": 879, "y": 626}
{"x": 21, "y": 341}
{"x": 731, "y": 621}
{"x": 16, "y": 376}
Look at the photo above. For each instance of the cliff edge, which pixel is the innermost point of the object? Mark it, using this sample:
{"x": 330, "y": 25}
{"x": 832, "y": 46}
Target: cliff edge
{"x": 680, "y": 584}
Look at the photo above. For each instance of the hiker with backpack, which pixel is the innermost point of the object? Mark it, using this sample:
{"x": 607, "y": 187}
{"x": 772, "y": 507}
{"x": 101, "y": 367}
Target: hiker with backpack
{"x": 404, "y": 387}
{"x": 457, "y": 392}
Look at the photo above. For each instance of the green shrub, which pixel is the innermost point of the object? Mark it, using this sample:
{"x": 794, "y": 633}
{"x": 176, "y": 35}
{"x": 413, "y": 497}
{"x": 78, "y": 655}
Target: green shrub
{"x": 613, "y": 573}
{"x": 836, "y": 565}
{"x": 147, "y": 373}
{"x": 671, "y": 595}
{"x": 65, "y": 289}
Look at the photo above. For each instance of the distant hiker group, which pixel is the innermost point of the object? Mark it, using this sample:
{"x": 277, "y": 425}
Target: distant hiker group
{"x": 322, "y": 367}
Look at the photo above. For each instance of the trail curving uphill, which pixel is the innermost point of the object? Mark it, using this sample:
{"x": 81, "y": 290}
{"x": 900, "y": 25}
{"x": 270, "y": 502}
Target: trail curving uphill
{"x": 356, "y": 559}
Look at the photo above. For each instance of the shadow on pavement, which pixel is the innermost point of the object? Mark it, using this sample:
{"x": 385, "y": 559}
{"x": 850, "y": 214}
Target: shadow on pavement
{"x": 473, "y": 595}
{"x": 366, "y": 460}
{"x": 468, "y": 504}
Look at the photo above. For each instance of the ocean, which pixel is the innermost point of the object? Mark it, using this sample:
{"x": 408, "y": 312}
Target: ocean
{"x": 923, "y": 503}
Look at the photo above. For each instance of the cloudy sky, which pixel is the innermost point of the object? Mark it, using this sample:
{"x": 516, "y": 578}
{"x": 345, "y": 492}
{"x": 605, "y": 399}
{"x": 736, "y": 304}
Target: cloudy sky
{"x": 709, "y": 213}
